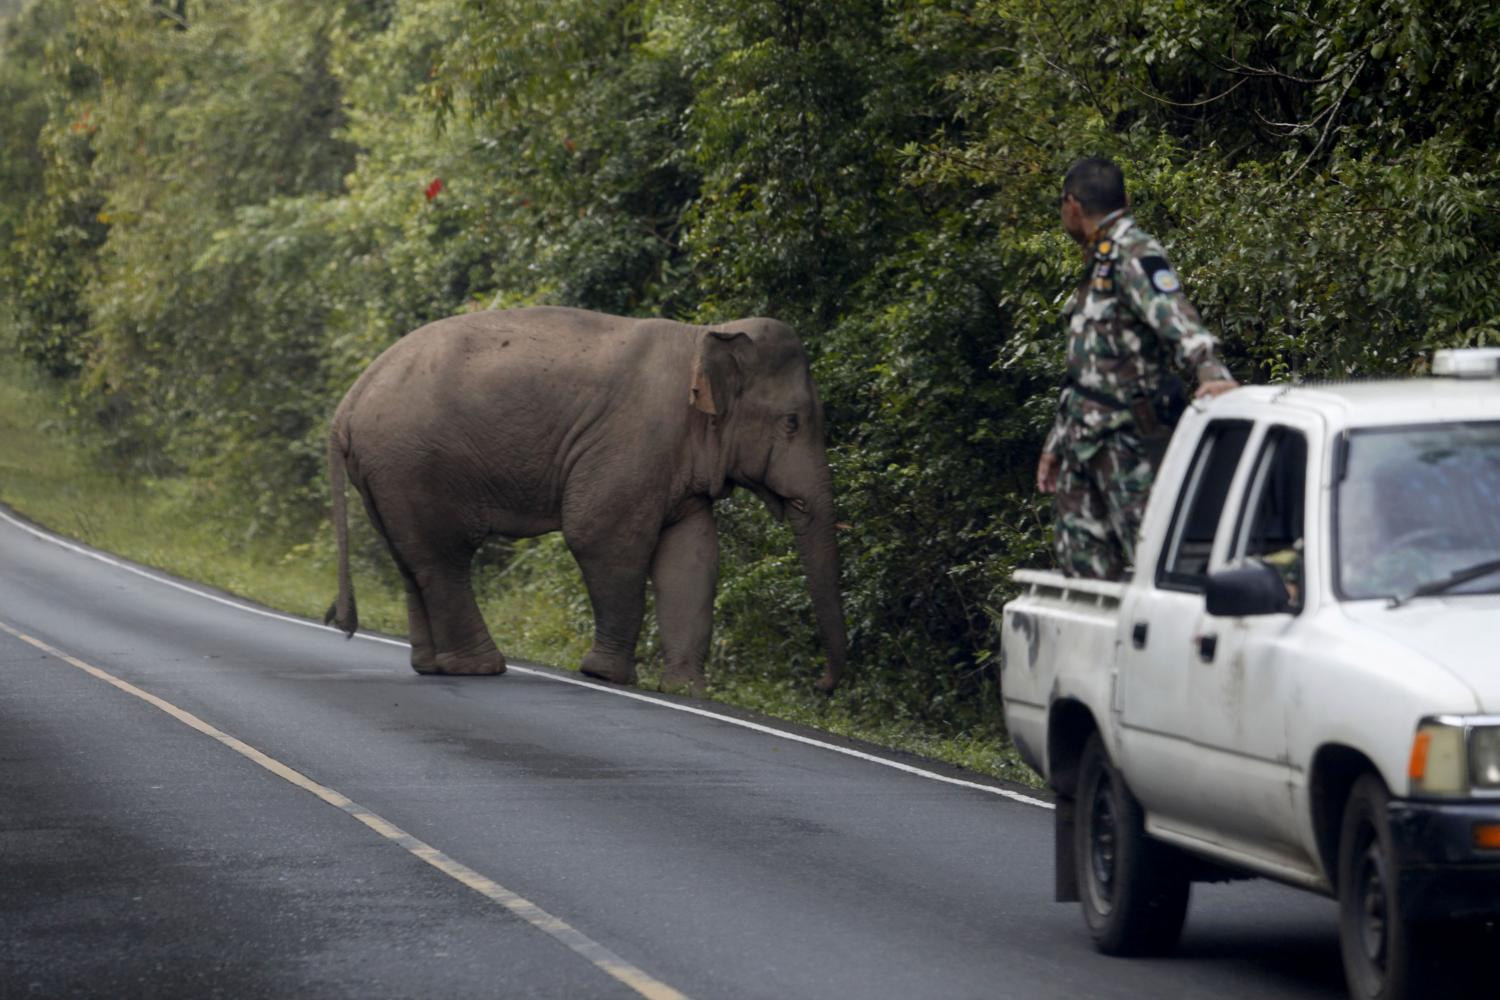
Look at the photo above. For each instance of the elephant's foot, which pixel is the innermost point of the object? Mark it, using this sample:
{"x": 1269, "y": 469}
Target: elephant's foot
{"x": 462, "y": 664}
{"x": 681, "y": 678}
{"x": 615, "y": 669}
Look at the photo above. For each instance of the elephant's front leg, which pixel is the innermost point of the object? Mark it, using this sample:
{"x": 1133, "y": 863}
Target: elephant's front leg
{"x": 684, "y": 574}
{"x": 614, "y": 564}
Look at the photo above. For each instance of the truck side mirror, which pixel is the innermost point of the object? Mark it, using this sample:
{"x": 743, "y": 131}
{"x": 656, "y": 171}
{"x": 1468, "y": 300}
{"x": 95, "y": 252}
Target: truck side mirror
{"x": 1256, "y": 589}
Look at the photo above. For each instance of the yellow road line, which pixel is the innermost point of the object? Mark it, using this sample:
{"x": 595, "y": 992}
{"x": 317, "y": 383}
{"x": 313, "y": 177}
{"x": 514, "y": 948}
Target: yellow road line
{"x": 600, "y": 956}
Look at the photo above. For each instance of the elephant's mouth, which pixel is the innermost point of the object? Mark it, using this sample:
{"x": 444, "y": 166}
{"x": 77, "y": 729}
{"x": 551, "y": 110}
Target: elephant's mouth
{"x": 775, "y": 502}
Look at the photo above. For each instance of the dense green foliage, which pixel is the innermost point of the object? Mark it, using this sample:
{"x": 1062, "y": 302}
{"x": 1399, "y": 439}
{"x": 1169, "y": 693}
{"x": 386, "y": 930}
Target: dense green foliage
{"x": 215, "y": 214}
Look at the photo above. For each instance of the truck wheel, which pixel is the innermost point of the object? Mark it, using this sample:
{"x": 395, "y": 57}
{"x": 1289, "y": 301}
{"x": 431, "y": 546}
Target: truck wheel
{"x": 1134, "y": 896}
{"x": 1385, "y": 955}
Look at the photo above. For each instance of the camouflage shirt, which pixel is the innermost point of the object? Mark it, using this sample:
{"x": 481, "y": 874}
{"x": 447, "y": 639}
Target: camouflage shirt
{"x": 1129, "y": 323}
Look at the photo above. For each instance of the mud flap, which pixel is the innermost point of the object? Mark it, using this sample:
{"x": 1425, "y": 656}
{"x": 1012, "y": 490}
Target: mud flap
{"x": 1065, "y": 889}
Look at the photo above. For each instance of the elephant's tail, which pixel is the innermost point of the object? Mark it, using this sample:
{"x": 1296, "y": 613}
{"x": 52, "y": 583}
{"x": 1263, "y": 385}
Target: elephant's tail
{"x": 342, "y": 613}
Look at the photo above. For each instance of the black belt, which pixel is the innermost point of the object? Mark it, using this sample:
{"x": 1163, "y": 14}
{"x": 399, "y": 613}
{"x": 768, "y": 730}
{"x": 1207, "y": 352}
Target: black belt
{"x": 1094, "y": 395}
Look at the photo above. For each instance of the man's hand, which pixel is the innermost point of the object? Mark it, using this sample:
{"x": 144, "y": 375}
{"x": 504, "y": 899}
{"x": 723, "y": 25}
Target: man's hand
{"x": 1210, "y": 389}
{"x": 1046, "y": 473}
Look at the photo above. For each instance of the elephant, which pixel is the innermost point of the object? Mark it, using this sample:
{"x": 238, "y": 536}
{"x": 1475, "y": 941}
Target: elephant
{"x": 619, "y": 432}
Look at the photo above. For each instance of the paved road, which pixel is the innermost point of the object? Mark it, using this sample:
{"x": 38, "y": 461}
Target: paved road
{"x": 336, "y": 826}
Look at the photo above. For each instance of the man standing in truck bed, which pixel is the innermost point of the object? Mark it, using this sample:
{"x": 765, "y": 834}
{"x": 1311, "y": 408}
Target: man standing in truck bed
{"x": 1129, "y": 328}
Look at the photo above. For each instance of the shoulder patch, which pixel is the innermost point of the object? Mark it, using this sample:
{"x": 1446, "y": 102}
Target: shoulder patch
{"x": 1163, "y": 278}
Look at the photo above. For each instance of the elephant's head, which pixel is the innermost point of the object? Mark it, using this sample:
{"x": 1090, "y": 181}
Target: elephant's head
{"x": 752, "y": 377}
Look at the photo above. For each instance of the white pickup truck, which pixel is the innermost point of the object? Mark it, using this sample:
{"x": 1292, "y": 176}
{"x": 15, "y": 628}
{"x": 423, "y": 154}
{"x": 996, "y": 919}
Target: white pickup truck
{"x": 1301, "y": 678}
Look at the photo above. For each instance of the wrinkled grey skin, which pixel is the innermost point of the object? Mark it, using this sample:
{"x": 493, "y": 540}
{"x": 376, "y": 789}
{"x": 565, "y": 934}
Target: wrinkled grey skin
{"x": 620, "y": 433}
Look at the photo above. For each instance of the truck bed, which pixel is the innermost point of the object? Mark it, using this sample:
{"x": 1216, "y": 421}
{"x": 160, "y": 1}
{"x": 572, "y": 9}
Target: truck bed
{"x": 1052, "y": 630}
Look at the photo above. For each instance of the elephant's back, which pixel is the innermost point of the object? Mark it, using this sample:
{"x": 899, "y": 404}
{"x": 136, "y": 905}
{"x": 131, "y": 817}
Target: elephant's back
{"x": 505, "y": 388}
{"x": 534, "y": 345}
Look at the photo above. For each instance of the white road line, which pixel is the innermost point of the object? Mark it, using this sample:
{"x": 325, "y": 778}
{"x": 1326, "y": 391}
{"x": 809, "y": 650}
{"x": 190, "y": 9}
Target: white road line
{"x": 597, "y": 954}
{"x": 1007, "y": 793}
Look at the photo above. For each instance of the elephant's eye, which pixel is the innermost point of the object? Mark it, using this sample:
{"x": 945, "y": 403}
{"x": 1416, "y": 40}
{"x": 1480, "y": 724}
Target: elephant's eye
{"x": 792, "y": 423}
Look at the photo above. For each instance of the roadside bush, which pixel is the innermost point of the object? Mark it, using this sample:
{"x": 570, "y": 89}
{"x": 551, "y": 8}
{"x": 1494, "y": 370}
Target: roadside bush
{"x": 221, "y": 213}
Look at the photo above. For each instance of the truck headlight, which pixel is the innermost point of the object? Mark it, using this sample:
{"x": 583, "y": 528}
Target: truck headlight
{"x": 1484, "y": 757}
{"x": 1437, "y": 758}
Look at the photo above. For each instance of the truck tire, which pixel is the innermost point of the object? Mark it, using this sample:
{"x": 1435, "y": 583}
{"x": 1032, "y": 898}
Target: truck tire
{"x": 1386, "y": 956}
{"x": 1133, "y": 891}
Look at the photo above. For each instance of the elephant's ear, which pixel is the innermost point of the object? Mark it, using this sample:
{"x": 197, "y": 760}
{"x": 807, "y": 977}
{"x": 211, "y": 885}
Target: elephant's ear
{"x": 720, "y": 371}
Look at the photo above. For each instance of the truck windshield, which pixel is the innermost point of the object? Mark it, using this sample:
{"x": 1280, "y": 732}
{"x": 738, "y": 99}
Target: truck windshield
{"x": 1416, "y": 505}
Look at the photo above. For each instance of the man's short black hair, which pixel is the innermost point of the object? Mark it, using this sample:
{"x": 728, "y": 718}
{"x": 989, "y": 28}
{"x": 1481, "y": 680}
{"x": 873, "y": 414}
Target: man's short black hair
{"x": 1097, "y": 183}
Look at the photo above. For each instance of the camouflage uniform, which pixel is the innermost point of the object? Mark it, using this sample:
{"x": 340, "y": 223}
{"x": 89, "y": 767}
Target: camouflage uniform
{"x": 1129, "y": 326}
{"x": 1287, "y": 564}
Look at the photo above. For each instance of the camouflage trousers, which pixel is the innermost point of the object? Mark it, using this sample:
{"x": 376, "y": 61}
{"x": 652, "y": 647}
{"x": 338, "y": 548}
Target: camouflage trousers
{"x": 1101, "y": 497}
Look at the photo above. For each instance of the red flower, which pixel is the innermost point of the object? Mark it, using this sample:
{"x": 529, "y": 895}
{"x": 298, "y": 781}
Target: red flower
{"x": 434, "y": 188}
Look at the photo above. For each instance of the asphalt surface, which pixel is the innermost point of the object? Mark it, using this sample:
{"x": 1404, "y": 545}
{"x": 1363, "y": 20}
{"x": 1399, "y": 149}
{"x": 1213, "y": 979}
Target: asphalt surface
{"x": 141, "y": 857}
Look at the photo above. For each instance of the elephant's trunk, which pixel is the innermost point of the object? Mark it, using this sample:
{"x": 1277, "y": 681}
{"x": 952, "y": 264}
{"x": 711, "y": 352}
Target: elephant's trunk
{"x": 812, "y": 522}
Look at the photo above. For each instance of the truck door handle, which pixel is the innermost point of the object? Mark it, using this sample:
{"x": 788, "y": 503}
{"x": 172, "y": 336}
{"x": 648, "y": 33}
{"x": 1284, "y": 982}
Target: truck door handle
{"x": 1208, "y": 645}
{"x": 1138, "y": 635}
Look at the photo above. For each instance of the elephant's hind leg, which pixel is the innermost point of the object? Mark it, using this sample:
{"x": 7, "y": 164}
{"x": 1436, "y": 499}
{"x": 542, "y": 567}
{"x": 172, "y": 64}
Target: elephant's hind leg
{"x": 447, "y": 632}
{"x": 684, "y": 575}
{"x": 418, "y": 629}
{"x": 461, "y": 642}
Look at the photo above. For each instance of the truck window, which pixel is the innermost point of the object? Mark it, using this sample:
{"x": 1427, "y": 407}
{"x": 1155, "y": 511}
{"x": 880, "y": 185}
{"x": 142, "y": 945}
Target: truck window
{"x": 1271, "y": 520}
{"x": 1415, "y": 504}
{"x": 1184, "y": 563}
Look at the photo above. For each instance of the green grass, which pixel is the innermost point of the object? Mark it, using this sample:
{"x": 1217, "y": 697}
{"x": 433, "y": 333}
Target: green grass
{"x": 532, "y": 598}
{"x": 52, "y": 479}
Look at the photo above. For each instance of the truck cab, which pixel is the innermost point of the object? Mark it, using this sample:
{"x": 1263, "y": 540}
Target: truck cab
{"x": 1299, "y": 680}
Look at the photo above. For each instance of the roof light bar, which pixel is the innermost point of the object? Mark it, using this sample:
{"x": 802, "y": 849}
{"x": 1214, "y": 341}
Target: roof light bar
{"x": 1473, "y": 362}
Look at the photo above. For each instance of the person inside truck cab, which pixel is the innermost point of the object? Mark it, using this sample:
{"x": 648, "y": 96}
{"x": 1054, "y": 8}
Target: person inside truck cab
{"x": 1130, "y": 329}
{"x": 1275, "y": 512}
